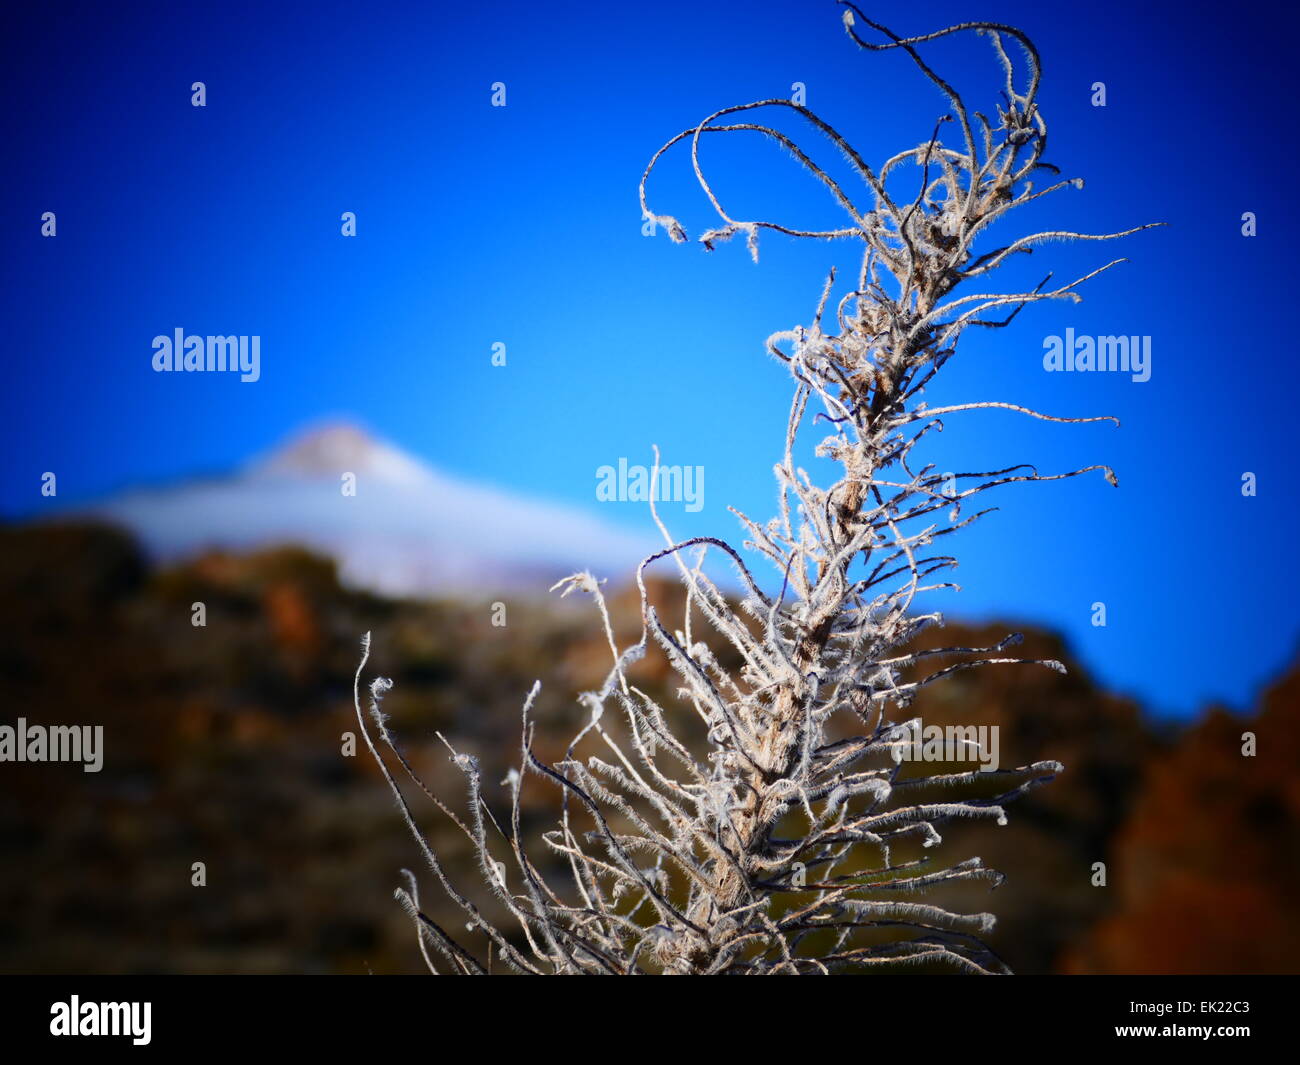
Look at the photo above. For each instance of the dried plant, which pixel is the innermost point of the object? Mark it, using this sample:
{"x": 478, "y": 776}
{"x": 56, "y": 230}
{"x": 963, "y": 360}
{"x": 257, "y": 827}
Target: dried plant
{"x": 796, "y": 845}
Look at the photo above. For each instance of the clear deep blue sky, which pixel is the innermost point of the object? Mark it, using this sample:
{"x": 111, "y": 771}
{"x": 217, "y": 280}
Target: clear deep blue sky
{"x": 520, "y": 225}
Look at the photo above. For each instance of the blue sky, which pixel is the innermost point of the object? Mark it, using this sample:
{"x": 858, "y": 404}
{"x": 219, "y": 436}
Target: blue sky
{"x": 520, "y": 225}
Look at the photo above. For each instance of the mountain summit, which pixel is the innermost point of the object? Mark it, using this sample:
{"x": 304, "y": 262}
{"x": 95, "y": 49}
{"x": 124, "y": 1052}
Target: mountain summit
{"x": 393, "y": 524}
{"x": 324, "y": 451}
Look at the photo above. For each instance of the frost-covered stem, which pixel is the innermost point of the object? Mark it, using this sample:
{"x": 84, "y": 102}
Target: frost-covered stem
{"x": 730, "y": 865}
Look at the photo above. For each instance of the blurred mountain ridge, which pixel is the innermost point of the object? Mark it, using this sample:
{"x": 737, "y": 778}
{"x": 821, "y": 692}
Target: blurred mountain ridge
{"x": 392, "y": 523}
{"x": 223, "y": 744}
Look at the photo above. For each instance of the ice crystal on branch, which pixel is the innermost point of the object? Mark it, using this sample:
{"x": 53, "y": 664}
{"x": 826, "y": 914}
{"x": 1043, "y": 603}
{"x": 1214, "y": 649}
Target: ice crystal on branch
{"x": 785, "y": 837}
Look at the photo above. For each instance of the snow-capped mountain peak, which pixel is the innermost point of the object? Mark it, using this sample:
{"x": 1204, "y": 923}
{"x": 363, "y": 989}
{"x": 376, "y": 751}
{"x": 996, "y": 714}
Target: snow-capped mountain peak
{"x": 336, "y": 448}
{"x": 396, "y": 525}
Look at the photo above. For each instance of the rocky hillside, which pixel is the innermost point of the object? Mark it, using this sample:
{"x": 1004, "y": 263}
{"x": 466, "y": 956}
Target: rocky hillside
{"x": 224, "y": 746}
